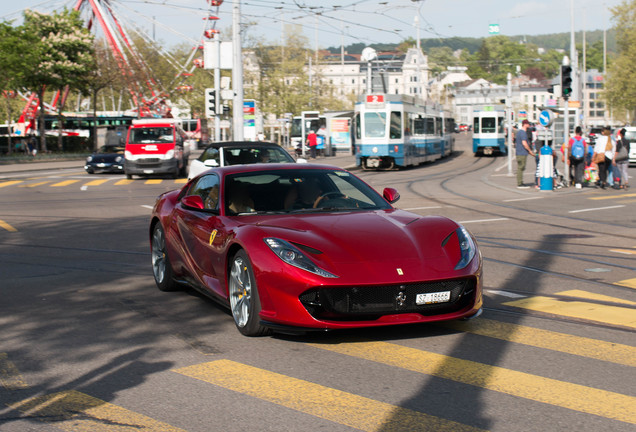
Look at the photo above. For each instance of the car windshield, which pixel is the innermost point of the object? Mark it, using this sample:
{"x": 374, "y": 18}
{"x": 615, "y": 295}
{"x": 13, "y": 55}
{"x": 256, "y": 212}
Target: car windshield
{"x": 111, "y": 150}
{"x": 299, "y": 191}
{"x": 151, "y": 135}
{"x": 252, "y": 155}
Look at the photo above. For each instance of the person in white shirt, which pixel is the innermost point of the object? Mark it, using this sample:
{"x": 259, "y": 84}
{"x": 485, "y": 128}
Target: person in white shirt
{"x": 606, "y": 147}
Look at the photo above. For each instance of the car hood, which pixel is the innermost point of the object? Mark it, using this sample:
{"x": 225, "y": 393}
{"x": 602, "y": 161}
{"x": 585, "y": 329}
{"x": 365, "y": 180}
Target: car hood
{"x": 106, "y": 157}
{"x": 379, "y": 244}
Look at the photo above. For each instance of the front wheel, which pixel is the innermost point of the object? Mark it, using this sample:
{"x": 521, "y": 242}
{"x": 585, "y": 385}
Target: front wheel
{"x": 244, "y": 300}
{"x": 161, "y": 268}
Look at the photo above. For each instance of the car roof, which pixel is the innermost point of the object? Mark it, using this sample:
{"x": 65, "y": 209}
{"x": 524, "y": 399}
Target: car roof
{"x": 251, "y": 144}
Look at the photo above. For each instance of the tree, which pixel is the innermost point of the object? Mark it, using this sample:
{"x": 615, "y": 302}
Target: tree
{"x": 61, "y": 55}
{"x": 620, "y": 86}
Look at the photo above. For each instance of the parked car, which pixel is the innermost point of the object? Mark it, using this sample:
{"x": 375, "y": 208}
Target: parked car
{"x": 630, "y": 135}
{"x": 219, "y": 154}
{"x": 295, "y": 247}
{"x": 109, "y": 158}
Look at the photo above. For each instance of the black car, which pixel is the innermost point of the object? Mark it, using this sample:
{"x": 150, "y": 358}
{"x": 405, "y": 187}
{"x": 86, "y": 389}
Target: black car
{"x": 109, "y": 158}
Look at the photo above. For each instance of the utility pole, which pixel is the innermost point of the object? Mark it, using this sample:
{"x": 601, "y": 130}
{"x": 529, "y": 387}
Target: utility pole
{"x": 237, "y": 72}
{"x": 509, "y": 120}
{"x": 566, "y": 115}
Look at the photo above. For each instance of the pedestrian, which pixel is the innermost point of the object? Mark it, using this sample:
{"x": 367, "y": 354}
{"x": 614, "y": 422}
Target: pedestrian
{"x": 523, "y": 149}
{"x": 621, "y": 157}
{"x": 312, "y": 143}
{"x": 604, "y": 155}
{"x": 577, "y": 148}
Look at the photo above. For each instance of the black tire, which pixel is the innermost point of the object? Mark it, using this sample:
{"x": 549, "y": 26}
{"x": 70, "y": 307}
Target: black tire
{"x": 244, "y": 301}
{"x": 161, "y": 267}
{"x": 129, "y": 176}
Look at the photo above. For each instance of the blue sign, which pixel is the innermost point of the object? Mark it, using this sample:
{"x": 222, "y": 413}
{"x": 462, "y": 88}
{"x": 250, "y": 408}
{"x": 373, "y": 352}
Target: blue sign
{"x": 546, "y": 118}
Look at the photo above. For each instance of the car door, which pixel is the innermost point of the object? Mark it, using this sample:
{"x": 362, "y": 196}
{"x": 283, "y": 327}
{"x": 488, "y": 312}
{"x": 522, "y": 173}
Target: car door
{"x": 203, "y": 234}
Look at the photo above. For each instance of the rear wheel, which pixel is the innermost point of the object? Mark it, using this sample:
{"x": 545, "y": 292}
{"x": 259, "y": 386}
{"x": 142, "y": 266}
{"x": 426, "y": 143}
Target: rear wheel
{"x": 161, "y": 268}
{"x": 244, "y": 300}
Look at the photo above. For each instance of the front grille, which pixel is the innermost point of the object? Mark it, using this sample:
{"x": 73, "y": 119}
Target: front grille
{"x": 371, "y": 302}
{"x": 148, "y": 161}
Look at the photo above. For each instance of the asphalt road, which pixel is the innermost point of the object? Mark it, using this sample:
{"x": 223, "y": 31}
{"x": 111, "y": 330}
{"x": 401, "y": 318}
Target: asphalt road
{"x": 88, "y": 343}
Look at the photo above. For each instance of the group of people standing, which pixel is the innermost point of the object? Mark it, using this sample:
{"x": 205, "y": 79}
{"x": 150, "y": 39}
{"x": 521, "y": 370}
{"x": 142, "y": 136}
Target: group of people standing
{"x": 609, "y": 154}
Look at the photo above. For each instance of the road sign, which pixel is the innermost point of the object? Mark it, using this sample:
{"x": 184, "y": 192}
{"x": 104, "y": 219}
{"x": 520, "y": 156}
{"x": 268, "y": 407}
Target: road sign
{"x": 493, "y": 29}
{"x": 546, "y": 118}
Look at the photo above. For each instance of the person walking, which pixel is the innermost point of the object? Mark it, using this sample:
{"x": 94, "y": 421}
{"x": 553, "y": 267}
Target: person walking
{"x": 604, "y": 155}
{"x": 577, "y": 148}
{"x": 312, "y": 143}
{"x": 523, "y": 149}
{"x": 621, "y": 157}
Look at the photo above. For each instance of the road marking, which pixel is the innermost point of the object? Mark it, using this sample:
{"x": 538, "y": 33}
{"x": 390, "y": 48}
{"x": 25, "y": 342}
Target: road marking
{"x": 523, "y": 199}
{"x": 597, "y": 208}
{"x": 613, "y": 196}
{"x": 96, "y": 182}
{"x": 124, "y": 182}
{"x": 10, "y": 183}
{"x": 64, "y": 183}
{"x": 614, "y": 315}
{"x": 153, "y": 181}
{"x": 624, "y": 251}
{"x": 483, "y": 220}
{"x": 75, "y": 411}
{"x": 35, "y": 184}
{"x": 593, "y": 296}
{"x": 559, "y": 342}
{"x": 520, "y": 384}
{"x": 181, "y": 181}
{"x": 630, "y": 283}
{"x": 309, "y": 398}
{"x": 147, "y": 206}
{"x": 7, "y": 227}
{"x": 505, "y": 293}
{"x": 10, "y": 376}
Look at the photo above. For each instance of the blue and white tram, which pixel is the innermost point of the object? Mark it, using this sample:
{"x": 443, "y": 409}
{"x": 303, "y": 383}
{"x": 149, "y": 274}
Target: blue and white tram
{"x": 489, "y": 136}
{"x": 394, "y": 131}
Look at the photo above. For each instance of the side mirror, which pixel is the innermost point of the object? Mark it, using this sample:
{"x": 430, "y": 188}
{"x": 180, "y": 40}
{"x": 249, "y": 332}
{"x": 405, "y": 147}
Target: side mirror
{"x": 193, "y": 202}
{"x": 211, "y": 163}
{"x": 301, "y": 160}
{"x": 391, "y": 195}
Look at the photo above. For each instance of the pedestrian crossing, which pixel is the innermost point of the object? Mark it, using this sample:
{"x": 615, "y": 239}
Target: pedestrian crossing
{"x": 73, "y": 410}
{"x": 84, "y": 184}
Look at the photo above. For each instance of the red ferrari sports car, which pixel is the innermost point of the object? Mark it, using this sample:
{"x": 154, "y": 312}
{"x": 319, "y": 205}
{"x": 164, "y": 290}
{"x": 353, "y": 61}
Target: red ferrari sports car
{"x": 311, "y": 247}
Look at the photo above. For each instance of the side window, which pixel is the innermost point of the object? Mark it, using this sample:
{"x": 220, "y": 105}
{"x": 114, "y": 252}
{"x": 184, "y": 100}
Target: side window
{"x": 396, "y": 125}
{"x": 207, "y": 187}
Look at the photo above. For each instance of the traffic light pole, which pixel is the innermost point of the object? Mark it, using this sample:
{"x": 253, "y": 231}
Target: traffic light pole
{"x": 566, "y": 90}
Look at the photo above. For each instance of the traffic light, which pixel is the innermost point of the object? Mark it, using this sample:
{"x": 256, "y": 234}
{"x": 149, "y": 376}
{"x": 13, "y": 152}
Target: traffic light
{"x": 566, "y": 81}
{"x": 226, "y": 110}
{"x": 210, "y": 102}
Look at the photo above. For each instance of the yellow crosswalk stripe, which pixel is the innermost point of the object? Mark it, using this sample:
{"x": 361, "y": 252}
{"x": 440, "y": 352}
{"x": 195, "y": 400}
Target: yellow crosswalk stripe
{"x": 520, "y": 384}
{"x": 559, "y": 342}
{"x": 613, "y": 315}
{"x": 64, "y": 183}
{"x": 9, "y": 183}
{"x": 181, "y": 181}
{"x": 324, "y": 402}
{"x": 593, "y": 296}
{"x": 630, "y": 283}
{"x": 606, "y": 197}
{"x": 153, "y": 181}
{"x": 124, "y": 182}
{"x": 624, "y": 251}
{"x": 7, "y": 227}
{"x": 10, "y": 377}
{"x": 75, "y": 411}
{"x": 96, "y": 182}
{"x": 29, "y": 185}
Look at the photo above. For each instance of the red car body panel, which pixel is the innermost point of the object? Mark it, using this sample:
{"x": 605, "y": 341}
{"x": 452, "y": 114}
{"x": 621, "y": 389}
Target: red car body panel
{"x": 362, "y": 248}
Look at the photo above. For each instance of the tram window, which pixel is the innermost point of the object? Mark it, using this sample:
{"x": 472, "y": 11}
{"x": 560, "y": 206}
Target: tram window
{"x": 476, "y": 128}
{"x": 419, "y": 125}
{"x": 488, "y": 125}
{"x": 374, "y": 124}
{"x": 500, "y": 129}
{"x": 356, "y": 121}
{"x": 396, "y": 125}
{"x": 430, "y": 126}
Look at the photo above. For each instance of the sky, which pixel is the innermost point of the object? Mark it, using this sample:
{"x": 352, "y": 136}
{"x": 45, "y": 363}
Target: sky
{"x": 330, "y": 23}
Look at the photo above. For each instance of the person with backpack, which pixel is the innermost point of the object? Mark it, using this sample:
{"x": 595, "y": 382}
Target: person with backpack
{"x": 577, "y": 148}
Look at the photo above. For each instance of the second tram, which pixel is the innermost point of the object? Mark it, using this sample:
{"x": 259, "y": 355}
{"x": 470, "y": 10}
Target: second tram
{"x": 393, "y": 131}
{"x": 489, "y": 135}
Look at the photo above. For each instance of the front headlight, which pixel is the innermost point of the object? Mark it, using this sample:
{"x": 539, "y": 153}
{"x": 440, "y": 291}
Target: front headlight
{"x": 293, "y": 256}
{"x": 118, "y": 159}
{"x": 90, "y": 158}
{"x": 467, "y": 247}
{"x": 169, "y": 154}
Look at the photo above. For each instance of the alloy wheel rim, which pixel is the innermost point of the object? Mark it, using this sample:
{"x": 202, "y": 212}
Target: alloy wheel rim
{"x": 240, "y": 292}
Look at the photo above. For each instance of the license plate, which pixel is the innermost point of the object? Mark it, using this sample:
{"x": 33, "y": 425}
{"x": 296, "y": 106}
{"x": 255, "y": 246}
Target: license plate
{"x": 101, "y": 165}
{"x": 149, "y": 171}
{"x": 429, "y": 298}
{"x": 488, "y": 150}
